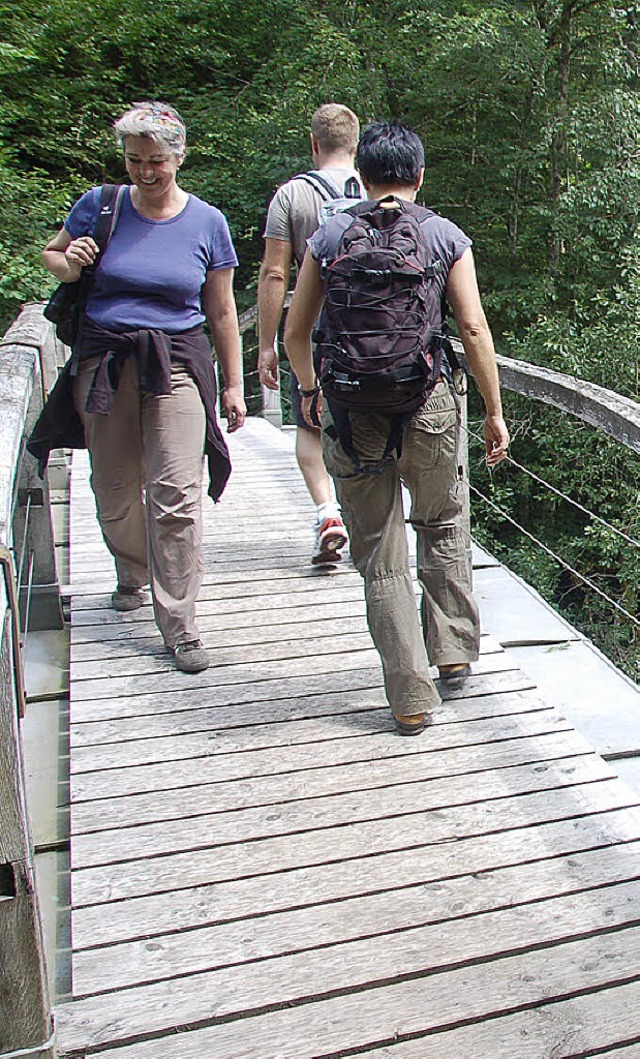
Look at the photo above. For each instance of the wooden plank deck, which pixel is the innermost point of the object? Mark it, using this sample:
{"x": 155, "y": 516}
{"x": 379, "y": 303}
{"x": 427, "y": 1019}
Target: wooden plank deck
{"x": 263, "y": 868}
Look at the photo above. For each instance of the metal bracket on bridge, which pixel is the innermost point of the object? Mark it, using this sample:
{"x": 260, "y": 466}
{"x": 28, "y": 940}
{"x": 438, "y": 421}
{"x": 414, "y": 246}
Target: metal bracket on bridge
{"x": 34, "y": 497}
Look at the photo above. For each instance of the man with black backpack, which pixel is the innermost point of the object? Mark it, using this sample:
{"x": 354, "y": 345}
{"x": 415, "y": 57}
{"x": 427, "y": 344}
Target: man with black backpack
{"x": 295, "y": 212}
{"x": 380, "y": 379}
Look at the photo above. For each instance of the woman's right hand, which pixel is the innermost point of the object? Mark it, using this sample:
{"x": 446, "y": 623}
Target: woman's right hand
{"x": 81, "y": 252}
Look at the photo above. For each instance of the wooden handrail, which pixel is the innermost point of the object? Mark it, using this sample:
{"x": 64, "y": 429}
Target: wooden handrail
{"x": 604, "y": 409}
{"x": 25, "y": 1013}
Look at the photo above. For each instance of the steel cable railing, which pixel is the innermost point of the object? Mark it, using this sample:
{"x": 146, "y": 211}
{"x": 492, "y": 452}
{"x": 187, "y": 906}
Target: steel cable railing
{"x": 564, "y": 496}
{"x": 562, "y": 562}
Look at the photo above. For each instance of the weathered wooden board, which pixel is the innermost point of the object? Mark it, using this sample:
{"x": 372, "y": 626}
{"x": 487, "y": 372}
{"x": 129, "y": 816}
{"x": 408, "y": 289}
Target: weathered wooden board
{"x": 173, "y": 804}
{"x": 217, "y": 764}
{"x": 161, "y": 661}
{"x": 244, "y": 736}
{"x": 169, "y": 955}
{"x": 335, "y": 580}
{"x": 311, "y": 669}
{"x": 304, "y": 627}
{"x": 169, "y": 681}
{"x": 387, "y": 1010}
{"x": 262, "y": 868}
{"x": 290, "y": 720}
{"x": 420, "y": 827}
{"x": 245, "y": 626}
{"x": 416, "y": 951}
{"x": 323, "y": 590}
{"x": 336, "y": 683}
{"x": 580, "y": 1027}
{"x": 151, "y": 702}
{"x": 217, "y": 827}
{"x": 141, "y": 917}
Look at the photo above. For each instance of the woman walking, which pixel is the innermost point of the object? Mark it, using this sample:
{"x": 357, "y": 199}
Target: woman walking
{"x": 143, "y": 380}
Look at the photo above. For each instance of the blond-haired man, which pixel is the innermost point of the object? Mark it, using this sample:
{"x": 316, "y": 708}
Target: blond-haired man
{"x": 294, "y": 215}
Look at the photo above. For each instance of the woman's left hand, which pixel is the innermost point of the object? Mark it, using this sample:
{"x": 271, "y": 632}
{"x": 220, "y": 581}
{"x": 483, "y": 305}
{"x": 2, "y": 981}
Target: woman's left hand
{"x": 234, "y": 408}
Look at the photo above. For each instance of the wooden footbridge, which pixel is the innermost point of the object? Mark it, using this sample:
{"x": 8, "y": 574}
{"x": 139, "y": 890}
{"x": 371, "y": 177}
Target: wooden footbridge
{"x": 262, "y": 868}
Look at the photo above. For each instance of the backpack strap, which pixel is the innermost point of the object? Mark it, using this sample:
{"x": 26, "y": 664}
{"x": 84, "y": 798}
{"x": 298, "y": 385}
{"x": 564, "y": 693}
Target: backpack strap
{"x": 111, "y": 196}
{"x": 340, "y": 431}
{"x": 327, "y": 189}
{"x": 352, "y": 189}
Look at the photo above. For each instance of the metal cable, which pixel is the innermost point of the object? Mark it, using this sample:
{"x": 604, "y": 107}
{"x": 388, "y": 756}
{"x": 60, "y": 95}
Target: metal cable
{"x": 27, "y": 609}
{"x": 566, "y": 565}
{"x": 23, "y": 550}
{"x": 558, "y": 492}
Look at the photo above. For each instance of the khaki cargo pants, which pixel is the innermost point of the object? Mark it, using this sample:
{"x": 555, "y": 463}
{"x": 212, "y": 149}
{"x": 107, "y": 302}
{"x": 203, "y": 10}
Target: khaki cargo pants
{"x": 146, "y": 475}
{"x": 372, "y": 508}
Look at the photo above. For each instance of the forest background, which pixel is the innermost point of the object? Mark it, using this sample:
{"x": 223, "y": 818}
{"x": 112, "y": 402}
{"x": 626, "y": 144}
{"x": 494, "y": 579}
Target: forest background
{"x": 530, "y": 115}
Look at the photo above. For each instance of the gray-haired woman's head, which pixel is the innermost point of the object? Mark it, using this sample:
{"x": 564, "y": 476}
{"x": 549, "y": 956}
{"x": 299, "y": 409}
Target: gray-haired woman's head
{"x": 155, "y": 121}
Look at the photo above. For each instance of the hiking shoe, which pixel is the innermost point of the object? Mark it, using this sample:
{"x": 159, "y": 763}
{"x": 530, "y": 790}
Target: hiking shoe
{"x": 459, "y": 672}
{"x": 331, "y": 536}
{"x": 413, "y": 724}
{"x": 191, "y": 657}
{"x": 128, "y": 597}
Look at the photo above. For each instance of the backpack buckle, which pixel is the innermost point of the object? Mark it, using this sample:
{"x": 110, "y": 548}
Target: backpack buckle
{"x": 343, "y": 382}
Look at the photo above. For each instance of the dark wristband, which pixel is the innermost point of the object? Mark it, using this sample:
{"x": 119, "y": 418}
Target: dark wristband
{"x": 309, "y": 393}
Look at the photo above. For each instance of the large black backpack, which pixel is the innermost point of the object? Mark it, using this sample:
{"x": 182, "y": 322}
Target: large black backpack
{"x": 378, "y": 344}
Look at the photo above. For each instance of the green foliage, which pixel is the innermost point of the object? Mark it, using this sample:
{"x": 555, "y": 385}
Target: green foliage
{"x": 530, "y": 114}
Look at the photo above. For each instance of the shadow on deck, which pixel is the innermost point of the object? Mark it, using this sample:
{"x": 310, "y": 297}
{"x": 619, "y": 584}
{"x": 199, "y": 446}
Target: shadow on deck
{"x": 262, "y": 868}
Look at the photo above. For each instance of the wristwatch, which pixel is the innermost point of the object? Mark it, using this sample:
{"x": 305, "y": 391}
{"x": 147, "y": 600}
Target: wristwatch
{"x": 309, "y": 393}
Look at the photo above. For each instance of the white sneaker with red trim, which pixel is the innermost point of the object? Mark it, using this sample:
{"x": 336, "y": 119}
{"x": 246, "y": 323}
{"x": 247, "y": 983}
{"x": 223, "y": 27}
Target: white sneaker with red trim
{"x": 331, "y": 536}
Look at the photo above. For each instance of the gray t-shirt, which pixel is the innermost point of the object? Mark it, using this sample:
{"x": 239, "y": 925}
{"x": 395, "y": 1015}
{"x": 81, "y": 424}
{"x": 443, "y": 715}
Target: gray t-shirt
{"x": 446, "y": 242}
{"x": 294, "y": 210}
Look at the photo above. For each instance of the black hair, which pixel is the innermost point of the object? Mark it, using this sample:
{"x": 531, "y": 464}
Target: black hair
{"x": 389, "y": 154}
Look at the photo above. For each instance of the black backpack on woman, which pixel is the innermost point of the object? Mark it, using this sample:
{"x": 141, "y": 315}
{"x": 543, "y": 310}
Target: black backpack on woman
{"x": 67, "y": 303}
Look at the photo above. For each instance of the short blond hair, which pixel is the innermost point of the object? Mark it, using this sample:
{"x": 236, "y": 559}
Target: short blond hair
{"x": 336, "y": 128}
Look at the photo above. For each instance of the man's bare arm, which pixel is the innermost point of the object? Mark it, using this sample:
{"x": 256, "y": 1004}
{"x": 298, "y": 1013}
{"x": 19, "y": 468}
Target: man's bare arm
{"x": 304, "y": 310}
{"x": 464, "y": 296}
{"x": 273, "y": 282}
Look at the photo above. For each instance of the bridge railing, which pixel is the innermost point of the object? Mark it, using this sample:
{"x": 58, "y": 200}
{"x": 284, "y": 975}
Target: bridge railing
{"x": 29, "y": 597}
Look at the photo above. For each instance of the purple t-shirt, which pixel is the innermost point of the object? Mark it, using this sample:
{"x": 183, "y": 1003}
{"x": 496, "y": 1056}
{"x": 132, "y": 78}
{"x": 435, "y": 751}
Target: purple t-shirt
{"x": 152, "y": 272}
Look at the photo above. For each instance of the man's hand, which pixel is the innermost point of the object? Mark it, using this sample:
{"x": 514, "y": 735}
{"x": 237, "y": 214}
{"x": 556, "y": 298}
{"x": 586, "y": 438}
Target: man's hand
{"x": 268, "y": 368}
{"x": 233, "y": 408}
{"x": 312, "y": 409}
{"x": 496, "y": 439}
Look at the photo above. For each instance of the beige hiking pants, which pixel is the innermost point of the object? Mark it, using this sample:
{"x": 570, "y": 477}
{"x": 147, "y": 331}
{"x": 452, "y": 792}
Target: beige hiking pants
{"x": 146, "y": 475}
{"x": 372, "y": 508}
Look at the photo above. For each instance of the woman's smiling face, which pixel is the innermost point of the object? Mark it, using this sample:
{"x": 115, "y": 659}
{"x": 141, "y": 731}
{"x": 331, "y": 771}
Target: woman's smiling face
{"x": 151, "y": 167}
